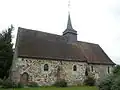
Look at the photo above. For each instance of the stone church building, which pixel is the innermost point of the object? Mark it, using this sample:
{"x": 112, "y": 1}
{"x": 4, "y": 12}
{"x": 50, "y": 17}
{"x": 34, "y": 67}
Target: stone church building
{"x": 44, "y": 58}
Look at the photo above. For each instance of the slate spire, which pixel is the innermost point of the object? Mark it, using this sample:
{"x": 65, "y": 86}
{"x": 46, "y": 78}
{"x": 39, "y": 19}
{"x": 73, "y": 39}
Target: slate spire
{"x": 69, "y": 28}
{"x": 69, "y": 24}
{"x": 70, "y": 33}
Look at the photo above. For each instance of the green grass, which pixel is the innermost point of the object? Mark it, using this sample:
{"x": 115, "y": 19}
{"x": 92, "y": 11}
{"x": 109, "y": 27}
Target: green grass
{"x": 55, "y": 88}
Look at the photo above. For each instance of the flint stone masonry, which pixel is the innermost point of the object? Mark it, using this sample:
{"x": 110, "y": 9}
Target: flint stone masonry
{"x": 35, "y": 70}
{"x": 100, "y": 71}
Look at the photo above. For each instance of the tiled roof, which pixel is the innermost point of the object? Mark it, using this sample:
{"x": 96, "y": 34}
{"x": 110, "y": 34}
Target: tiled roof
{"x": 94, "y": 53}
{"x": 37, "y": 44}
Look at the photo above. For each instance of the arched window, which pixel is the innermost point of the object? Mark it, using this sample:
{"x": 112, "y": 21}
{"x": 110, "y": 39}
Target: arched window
{"x": 92, "y": 68}
{"x": 86, "y": 72}
{"x": 74, "y": 68}
{"x": 46, "y": 67}
{"x": 108, "y": 69}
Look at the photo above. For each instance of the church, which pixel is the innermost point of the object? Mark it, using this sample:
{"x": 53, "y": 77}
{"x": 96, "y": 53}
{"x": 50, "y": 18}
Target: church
{"x": 44, "y": 58}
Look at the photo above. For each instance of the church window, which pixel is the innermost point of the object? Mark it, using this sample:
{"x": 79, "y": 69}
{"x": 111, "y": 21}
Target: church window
{"x": 74, "y": 68}
{"x": 86, "y": 72}
{"x": 46, "y": 67}
{"x": 92, "y": 68}
{"x": 108, "y": 69}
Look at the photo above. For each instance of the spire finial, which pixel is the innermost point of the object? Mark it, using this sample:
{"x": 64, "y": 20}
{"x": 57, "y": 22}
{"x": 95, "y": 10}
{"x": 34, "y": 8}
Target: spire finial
{"x": 69, "y": 7}
{"x": 69, "y": 25}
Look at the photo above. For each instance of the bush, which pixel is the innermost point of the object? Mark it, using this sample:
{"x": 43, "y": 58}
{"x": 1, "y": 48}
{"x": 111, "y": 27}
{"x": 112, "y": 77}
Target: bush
{"x": 33, "y": 84}
{"x": 116, "y": 84}
{"x": 112, "y": 82}
{"x": 90, "y": 81}
{"x": 8, "y": 84}
{"x": 116, "y": 70}
{"x": 20, "y": 85}
{"x": 1, "y": 81}
{"x": 106, "y": 83}
{"x": 60, "y": 83}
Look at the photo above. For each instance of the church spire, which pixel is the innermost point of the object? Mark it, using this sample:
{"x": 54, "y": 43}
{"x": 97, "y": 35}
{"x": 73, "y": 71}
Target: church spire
{"x": 69, "y": 24}
{"x": 70, "y": 33}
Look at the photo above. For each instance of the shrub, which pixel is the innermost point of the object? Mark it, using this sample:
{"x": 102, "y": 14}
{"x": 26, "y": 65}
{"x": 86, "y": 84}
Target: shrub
{"x": 20, "y": 85}
{"x": 1, "y": 81}
{"x": 112, "y": 82}
{"x": 33, "y": 84}
{"x": 8, "y": 84}
{"x": 90, "y": 81}
{"x": 116, "y": 70}
{"x": 60, "y": 83}
{"x": 106, "y": 83}
{"x": 116, "y": 84}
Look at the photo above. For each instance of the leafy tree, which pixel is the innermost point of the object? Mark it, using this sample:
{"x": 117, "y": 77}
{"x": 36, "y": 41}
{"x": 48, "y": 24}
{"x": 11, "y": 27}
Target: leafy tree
{"x": 6, "y": 51}
{"x": 116, "y": 70}
{"x": 111, "y": 82}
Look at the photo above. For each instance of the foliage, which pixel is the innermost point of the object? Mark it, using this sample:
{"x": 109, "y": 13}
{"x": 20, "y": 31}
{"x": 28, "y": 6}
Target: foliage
{"x": 106, "y": 83}
{"x": 90, "y": 81}
{"x": 116, "y": 70}
{"x": 1, "y": 81}
{"x": 116, "y": 84}
{"x": 58, "y": 88}
{"x": 111, "y": 82}
{"x": 8, "y": 84}
{"x": 20, "y": 85}
{"x": 60, "y": 83}
{"x": 33, "y": 84}
{"x": 6, "y": 52}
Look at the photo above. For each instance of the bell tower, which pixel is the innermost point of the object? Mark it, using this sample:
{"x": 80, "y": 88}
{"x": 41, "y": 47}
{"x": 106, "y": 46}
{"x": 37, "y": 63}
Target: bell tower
{"x": 70, "y": 33}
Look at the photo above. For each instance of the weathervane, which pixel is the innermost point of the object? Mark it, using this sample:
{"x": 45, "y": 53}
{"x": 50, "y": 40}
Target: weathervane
{"x": 69, "y": 7}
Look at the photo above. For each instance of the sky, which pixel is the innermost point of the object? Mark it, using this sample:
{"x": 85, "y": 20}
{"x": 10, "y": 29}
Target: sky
{"x": 96, "y": 21}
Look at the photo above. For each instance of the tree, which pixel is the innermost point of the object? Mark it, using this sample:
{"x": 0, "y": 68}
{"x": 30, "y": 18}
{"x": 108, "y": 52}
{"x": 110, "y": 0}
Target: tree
{"x": 111, "y": 82}
{"x": 6, "y": 51}
{"x": 116, "y": 70}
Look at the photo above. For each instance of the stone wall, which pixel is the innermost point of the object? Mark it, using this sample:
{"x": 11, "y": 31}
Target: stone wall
{"x": 100, "y": 71}
{"x": 36, "y": 73}
{"x": 35, "y": 70}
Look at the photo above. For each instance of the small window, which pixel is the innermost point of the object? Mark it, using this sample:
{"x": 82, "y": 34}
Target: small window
{"x": 86, "y": 72}
{"x": 92, "y": 68}
{"x": 108, "y": 69}
{"x": 74, "y": 68}
{"x": 46, "y": 67}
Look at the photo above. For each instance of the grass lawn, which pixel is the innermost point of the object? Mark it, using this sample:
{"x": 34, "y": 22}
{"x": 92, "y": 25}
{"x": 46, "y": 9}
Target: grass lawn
{"x": 55, "y": 88}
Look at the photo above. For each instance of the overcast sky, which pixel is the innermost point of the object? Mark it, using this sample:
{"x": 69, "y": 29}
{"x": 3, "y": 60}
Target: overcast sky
{"x": 97, "y": 21}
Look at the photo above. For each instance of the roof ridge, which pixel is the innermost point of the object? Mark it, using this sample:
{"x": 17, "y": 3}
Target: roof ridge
{"x": 38, "y": 31}
{"x": 88, "y": 42}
